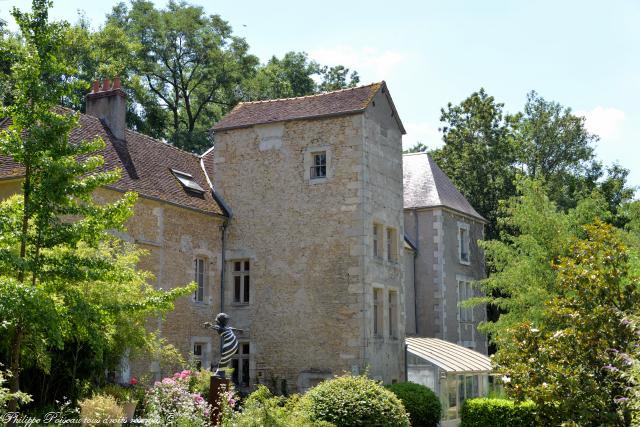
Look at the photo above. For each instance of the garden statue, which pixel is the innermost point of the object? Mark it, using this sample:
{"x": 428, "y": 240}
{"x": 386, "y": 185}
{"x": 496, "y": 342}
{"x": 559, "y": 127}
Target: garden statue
{"x": 228, "y": 341}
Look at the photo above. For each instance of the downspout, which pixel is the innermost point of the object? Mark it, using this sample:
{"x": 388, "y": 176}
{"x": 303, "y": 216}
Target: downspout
{"x": 223, "y": 229}
{"x": 406, "y": 362}
{"x": 415, "y": 259}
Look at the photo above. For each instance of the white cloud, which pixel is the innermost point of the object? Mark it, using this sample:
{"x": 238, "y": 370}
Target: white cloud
{"x": 421, "y": 132}
{"x": 602, "y": 121}
{"x": 371, "y": 63}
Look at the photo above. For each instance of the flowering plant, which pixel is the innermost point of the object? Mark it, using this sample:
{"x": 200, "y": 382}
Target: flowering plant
{"x": 169, "y": 402}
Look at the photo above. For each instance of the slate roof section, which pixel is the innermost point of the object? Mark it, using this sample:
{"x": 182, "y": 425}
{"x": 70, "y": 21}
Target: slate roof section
{"x": 426, "y": 186}
{"x": 335, "y": 103}
{"x": 448, "y": 356}
{"x": 145, "y": 163}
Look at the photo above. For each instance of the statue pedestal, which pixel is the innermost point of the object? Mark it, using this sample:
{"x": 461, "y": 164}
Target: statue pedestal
{"x": 216, "y": 388}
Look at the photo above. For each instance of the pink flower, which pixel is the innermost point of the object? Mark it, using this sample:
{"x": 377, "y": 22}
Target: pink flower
{"x": 133, "y": 381}
{"x": 168, "y": 381}
{"x": 186, "y": 373}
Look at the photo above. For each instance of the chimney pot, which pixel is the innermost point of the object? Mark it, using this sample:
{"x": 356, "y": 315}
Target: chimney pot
{"x": 109, "y": 105}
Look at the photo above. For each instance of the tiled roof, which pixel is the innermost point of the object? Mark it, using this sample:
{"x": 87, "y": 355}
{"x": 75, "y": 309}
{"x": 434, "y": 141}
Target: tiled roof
{"x": 145, "y": 163}
{"x": 425, "y": 185}
{"x": 448, "y": 356}
{"x": 339, "y": 102}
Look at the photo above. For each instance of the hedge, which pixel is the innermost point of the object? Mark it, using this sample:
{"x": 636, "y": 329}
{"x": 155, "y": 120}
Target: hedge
{"x": 421, "y": 403}
{"x": 498, "y": 413}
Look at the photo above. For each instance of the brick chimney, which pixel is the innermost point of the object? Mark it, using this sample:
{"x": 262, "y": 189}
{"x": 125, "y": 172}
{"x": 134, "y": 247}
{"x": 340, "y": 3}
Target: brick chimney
{"x": 109, "y": 103}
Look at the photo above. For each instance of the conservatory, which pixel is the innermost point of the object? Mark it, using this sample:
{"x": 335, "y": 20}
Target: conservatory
{"x": 453, "y": 372}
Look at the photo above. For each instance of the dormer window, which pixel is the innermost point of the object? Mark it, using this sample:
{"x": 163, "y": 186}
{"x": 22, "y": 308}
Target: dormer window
{"x": 187, "y": 181}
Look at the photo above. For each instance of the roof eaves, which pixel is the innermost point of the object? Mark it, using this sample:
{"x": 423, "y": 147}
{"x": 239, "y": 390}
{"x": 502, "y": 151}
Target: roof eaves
{"x": 449, "y": 208}
{"x": 314, "y": 117}
{"x": 160, "y": 200}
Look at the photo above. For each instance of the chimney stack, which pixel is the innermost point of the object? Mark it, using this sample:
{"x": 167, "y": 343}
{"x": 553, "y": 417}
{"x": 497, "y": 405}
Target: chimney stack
{"x": 109, "y": 103}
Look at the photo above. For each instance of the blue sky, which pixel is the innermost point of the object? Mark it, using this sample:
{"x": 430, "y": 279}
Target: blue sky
{"x": 584, "y": 54}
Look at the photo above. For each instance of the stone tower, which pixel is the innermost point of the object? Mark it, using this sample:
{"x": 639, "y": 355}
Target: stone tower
{"x": 313, "y": 268}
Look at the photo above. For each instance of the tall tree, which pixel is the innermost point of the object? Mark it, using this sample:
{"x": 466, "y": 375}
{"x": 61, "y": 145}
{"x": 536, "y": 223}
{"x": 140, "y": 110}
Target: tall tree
{"x": 56, "y": 242}
{"x": 571, "y": 361}
{"x": 479, "y": 153}
{"x": 191, "y": 62}
{"x": 338, "y": 77}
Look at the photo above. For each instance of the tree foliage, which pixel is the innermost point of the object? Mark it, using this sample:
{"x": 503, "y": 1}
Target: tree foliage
{"x": 66, "y": 282}
{"x": 479, "y": 153}
{"x": 570, "y": 361}
{"x": 485, "y": 148}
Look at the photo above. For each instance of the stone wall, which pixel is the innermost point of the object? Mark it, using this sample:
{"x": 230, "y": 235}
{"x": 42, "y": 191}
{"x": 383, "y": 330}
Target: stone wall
{"x": 438, "y": 269}
{"x": 306, "y": 240}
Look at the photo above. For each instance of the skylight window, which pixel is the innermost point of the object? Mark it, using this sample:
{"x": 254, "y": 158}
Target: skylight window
{"x": 187, "y": 181}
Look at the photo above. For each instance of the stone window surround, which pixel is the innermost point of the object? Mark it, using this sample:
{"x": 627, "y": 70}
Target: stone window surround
{"x": 394, "y": 313}
{"x": 208, "y": 256}
{"x": 384, "y": 326}
{"x": 308, "y": 163}
{"x": 468, "y": 344}
{"x": 232, "y": 274}
{"x": 241, "y": 356}
{"x": 466, "y": 244}
{"x": 378, "y": 310}
{"x": 205, "y": 359}
{"x": 382, "y": 253}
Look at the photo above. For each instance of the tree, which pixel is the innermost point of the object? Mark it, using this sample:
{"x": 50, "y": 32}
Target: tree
{"x": 191, "y": 62}
{"x": 335, "y": 78}
{"x": 534, "y": 234}
{"x": 295, "y": 75}
{"x": 419, "y": 147}
{"x": 58, "y": 255}
{"x": 479, "y": 153}
{"x": 572, "y": 360}
{"x": 485, "y": 149}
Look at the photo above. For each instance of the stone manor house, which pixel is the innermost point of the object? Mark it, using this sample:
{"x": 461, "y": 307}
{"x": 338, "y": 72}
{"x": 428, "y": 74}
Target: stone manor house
{"x": 301, "y": 225}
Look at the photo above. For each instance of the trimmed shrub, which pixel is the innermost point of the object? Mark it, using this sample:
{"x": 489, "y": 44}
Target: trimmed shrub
{"x": 498, "y": 413}
{"x": 421, "y": 403}
{"x": 354, "y": 401}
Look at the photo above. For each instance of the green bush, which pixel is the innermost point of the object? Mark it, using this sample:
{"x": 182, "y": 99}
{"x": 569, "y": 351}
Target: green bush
{"x": 421, "y": 403}
{"x": 498, "y": 413}
{"x": 354, "y": 401}
{"x": 263, "y": 409}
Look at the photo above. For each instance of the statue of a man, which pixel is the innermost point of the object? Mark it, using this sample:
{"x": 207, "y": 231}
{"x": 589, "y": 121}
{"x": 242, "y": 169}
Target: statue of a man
{"x": 228, "y": 341}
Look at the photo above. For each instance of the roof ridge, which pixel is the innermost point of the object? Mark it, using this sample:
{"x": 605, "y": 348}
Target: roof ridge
{"x": 415, "y": 154}
{"x": 265, "y": 101}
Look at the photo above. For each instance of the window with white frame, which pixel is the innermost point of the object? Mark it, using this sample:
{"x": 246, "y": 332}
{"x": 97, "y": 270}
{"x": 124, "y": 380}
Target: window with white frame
{"x": 377, "y": 240}
{"x": 240, "y": 365}
{"x": 392, "y": 245}
{"x": 200, "y": 268}
{"x": 393, "y": 314}
{"x": 465, "y": 292}
{"x": 241, "y": 281}
{"x": 378, "y": 316}
{"x": 463, "y": 243}
{"x": 318, "y": 165}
